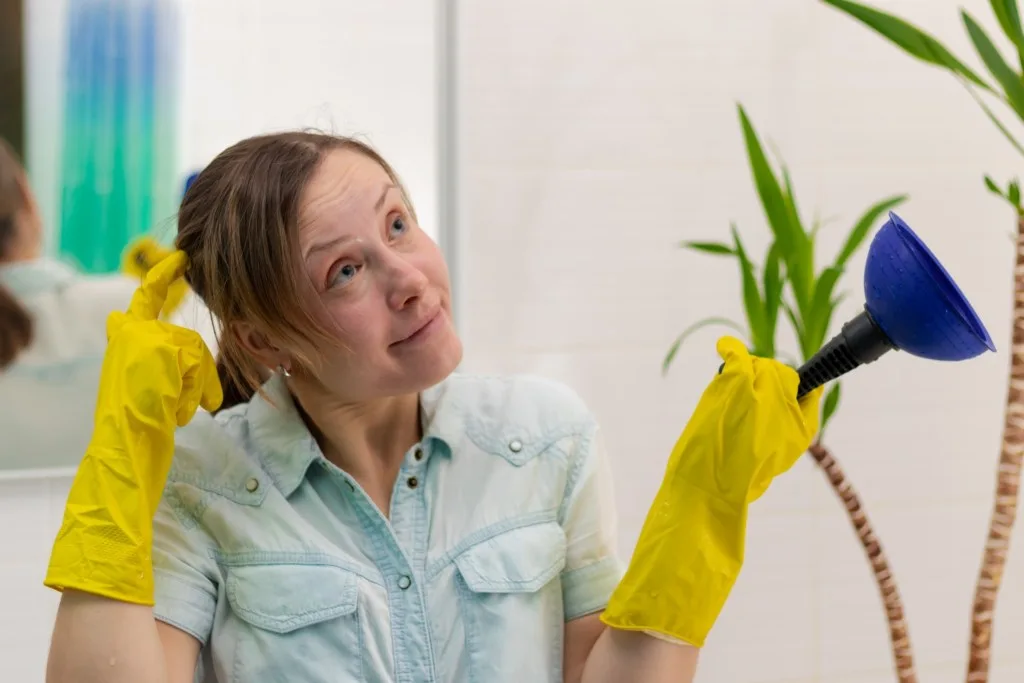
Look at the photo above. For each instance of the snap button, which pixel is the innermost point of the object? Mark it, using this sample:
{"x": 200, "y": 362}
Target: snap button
{"x": 515, "y": 445}
{"x": 413, "y": 482}
{"x": 251, "y": 485}
{"x": 418, "y": 453}
{"x": 404, "y": 582}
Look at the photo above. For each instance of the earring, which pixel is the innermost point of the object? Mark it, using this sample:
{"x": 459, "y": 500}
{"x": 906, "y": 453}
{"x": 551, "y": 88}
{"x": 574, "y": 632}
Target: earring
{"x": 284, "y": 371}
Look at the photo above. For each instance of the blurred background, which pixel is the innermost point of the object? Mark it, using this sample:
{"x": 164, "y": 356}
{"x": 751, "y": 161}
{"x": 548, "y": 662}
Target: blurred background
{"x": 560, "y": 152}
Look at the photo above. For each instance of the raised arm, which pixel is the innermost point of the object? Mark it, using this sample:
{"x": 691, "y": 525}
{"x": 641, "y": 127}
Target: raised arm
{"x": 154, "y": 378}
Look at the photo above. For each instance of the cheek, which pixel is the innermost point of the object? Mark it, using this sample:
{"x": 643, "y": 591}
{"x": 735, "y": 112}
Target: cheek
{"x": 432, "y": 264}
{"x": 357, "y": 326}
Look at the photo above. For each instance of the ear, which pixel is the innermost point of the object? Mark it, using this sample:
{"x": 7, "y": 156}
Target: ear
{"x": 258, "y": 346}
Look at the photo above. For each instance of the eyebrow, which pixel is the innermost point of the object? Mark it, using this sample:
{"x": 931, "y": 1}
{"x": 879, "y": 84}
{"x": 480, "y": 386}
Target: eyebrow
{"x": 323, "y": 246}
{"x": 383, "y": 195}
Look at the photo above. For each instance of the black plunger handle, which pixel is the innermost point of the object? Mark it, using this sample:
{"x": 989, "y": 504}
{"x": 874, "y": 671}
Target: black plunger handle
{"x": 861, "y": 341}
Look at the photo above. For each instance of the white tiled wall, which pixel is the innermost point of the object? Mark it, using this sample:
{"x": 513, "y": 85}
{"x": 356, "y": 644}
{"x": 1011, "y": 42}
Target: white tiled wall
{"x": 30, "y": 515}
{"x": 595, "y": 136}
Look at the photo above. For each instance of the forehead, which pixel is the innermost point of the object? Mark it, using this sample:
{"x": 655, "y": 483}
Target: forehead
{"x": 346, "y": 184}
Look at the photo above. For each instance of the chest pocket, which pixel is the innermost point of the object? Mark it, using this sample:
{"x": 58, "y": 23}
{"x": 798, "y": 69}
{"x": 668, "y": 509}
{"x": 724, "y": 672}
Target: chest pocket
{"x": 512, "y": 604}
{"x": 295, "y": 622}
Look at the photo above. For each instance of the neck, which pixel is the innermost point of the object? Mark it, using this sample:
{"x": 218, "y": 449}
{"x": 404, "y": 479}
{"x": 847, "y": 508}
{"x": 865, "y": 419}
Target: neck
{"x": 367, "y": 440}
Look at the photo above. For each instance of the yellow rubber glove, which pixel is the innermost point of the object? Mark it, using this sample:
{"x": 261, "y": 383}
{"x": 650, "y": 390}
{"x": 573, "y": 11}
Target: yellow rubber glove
{"x": 154, "y": 377}
{"x": 747, "y": 428}
{"x": 140, "y": 257}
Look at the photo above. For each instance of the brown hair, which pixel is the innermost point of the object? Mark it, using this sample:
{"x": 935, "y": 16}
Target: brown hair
{"x": 238, "y": 226}
{"x": 15, "y": 320}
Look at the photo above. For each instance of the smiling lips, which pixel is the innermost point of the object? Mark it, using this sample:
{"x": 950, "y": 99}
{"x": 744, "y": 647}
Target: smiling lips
{"x": 422, "y": 331}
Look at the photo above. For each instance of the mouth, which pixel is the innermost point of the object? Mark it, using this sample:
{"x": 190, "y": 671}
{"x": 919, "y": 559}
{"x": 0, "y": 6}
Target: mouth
{"x": 421, "y": 332}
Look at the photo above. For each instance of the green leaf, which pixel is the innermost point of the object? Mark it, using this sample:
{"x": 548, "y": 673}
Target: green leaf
{"x": 716, "y": 248}
{"x": 1009, "y": 21}
{"x": 991, "y": 115}
{"x": 774, "y": 207}
{"x": 908, "y": 37}
{"x": 1014, "y": 193}
{"x": 863, "y": 226}
{"x": 802, "y": 267}
{"x": 798, "y": 330}
{"x": 816, "y": 325}
{"x": 699, "y": 325}
{"x": 997, "y": 66}
{"x": 829, "y": 405}
{"x": 772, "y": 289}
{"x": 756, "y": 318}
{"x": 991, "y": 185}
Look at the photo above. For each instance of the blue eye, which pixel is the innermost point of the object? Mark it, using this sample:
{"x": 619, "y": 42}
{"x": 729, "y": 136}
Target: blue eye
{"x": 398, "y": 227}
{"x": 344, "y": 274}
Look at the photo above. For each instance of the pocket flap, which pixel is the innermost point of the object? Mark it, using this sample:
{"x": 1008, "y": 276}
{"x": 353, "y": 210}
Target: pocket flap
{"x": 520, "y": 560}
{"x": 284, "y": 597}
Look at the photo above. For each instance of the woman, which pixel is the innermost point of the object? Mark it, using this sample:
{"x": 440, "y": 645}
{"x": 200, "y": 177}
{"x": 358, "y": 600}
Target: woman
{"x": 367, "y": 515}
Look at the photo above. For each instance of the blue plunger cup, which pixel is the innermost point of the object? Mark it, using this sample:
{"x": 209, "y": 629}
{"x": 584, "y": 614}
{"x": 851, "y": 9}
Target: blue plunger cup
{"x": 912, "y": 304}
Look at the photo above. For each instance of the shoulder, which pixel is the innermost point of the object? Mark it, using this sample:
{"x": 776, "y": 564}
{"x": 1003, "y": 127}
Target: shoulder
{"x": 98, "y": 295}
{"x": 113, "y": 288}
{"x": 516, "y": 416}
{"x": 211, "y": 453}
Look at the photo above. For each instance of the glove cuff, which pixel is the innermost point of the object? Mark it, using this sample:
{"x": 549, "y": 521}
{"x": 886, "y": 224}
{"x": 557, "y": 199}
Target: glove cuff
{"x": 104, "y": 571}
{"x": 684, "y": 566}
{"x": 105, "y": 542}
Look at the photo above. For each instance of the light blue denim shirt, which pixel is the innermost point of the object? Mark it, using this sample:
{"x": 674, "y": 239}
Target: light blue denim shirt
{"x": 501, "y": 529}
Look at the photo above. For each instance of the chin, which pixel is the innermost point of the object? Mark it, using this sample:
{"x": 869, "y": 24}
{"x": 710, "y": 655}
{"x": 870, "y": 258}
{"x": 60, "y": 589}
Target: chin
{"x": 442, "y": 362}
{"x": 426, "y": 365}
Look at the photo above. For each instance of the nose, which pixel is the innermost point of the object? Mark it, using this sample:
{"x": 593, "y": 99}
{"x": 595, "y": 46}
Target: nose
{"x": 408, "y": 283}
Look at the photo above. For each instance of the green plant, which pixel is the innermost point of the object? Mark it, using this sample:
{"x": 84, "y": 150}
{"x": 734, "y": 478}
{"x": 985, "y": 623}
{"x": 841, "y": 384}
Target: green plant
{"x": 788, "y": 281}
{"x": 1006, "y": 86}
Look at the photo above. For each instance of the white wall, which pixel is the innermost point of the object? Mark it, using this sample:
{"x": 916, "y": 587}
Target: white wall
{"x": 596, "y": 135}
{"x": 248, "y": 66}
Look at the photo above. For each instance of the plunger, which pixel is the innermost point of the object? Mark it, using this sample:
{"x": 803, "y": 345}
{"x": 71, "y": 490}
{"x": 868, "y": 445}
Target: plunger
{"x": 912, "y": 304}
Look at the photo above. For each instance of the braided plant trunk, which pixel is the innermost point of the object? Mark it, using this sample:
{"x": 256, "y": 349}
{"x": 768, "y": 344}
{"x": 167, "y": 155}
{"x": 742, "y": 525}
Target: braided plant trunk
{"x": 898, "y": 633}
{"x": 1004, "y": 509}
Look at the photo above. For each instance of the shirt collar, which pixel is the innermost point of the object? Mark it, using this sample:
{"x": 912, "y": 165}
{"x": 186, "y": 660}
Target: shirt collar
{"x": 286, "y": 448}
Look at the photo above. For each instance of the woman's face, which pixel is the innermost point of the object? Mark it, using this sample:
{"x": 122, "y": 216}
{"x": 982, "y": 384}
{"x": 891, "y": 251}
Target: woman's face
{"x": 380, "y": 282}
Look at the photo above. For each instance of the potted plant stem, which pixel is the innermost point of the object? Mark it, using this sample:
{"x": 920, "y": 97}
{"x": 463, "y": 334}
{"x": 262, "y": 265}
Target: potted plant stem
{"x": 1004, "y": 85}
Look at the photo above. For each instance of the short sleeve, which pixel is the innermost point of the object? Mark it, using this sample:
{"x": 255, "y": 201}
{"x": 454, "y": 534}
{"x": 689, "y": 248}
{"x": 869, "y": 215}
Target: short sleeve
{"x": 588, "y": 516}
{"x": 184, "y": 571}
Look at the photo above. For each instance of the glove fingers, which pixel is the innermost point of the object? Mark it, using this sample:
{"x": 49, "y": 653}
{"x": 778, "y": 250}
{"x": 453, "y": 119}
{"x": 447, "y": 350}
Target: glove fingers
{"x": 200, "y": 385}
{"x": 150, "y": 296}
{"x": 736, "y": 359}
{"x": 191, "y": 387}
{"x": 213, "y": 392}
{"x": 175, "y": 297}
{"x": 810, "y": 409}
{"x": 115, "y": 321}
